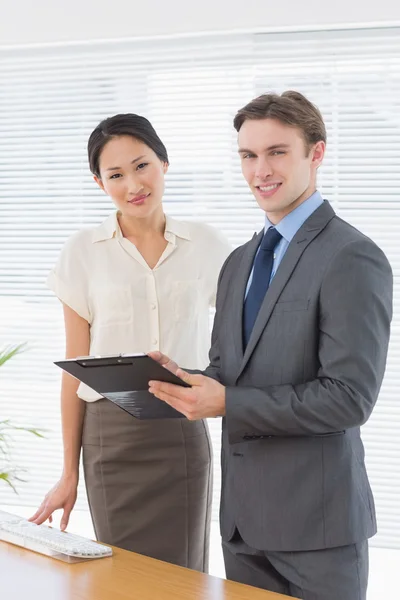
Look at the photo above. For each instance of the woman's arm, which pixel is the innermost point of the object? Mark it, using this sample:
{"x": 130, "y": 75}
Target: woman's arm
{"x": 73, "y": 408}
{"x": 63, "y": 494}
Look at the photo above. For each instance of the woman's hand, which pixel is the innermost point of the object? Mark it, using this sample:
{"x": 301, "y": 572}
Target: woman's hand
{"x": 62, "y": 495}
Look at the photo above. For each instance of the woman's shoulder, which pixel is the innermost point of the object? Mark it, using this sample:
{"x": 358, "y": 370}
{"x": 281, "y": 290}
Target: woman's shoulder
{"x": 204, "y": 233}
{"x": 79, "y": 240}
{"x": 85, "y": 238}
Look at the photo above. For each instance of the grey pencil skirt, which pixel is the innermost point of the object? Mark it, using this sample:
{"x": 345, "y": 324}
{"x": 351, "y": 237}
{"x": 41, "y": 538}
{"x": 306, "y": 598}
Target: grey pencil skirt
{"x": 149, "y": 484}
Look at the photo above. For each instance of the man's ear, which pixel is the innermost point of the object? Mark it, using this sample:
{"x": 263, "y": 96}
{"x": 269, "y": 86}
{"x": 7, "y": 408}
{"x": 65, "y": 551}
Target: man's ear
{"x": 165, "y": 167}
{"x": 99, "y": 182}
{"x": 318, "y": 153}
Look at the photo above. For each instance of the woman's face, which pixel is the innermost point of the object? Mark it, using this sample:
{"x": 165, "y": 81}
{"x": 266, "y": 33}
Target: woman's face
{"x": 132, "y": 175}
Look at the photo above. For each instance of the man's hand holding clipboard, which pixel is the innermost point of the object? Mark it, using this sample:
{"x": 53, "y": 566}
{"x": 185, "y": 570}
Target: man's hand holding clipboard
{"x": 204, "y": 398}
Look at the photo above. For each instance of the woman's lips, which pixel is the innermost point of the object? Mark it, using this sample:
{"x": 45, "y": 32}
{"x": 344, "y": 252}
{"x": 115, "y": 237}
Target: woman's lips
{"x": 138, "y": 199}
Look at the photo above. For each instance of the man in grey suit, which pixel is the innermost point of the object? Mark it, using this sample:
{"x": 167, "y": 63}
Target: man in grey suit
{"x": 298, "y": 355}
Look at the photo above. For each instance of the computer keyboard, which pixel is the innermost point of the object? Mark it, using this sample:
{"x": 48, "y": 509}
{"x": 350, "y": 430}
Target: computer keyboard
{"x": 49, "y": 541}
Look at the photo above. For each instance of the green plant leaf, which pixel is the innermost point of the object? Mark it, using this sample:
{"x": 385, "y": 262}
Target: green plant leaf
{"x": 9, "y": 352}
{"x": 9, "y": 473}
{"x": 8, "y": 478}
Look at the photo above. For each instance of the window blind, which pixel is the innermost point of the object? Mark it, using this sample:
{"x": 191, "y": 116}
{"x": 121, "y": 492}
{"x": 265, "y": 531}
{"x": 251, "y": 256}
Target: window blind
{"x": 190, "y": 89}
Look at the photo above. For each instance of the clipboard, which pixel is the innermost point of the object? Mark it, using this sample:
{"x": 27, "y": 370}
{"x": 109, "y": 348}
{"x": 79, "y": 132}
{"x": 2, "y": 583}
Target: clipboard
{"x": 124, "y": 380}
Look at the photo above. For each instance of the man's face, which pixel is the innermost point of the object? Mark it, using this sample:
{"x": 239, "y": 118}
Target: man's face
{"x": 279, "y": 169}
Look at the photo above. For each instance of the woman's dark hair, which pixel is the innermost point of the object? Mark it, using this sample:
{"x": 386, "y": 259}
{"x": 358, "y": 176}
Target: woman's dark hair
{"x": 125, "y": 124}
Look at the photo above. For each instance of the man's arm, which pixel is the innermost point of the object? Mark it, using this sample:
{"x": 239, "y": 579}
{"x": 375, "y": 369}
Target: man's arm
{"x": 355, "y": 315}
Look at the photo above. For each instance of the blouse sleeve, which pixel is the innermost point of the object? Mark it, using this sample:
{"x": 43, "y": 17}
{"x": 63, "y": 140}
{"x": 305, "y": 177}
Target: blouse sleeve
{"x": 221, "y": 249}
{"x": 69, "y": 280}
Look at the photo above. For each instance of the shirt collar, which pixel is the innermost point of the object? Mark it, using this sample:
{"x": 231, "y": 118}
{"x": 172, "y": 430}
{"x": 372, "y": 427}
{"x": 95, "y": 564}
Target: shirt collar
{"x": 110, "y": 228}
{"x": 177, "y": 228}
{"x": 289, "y": 225}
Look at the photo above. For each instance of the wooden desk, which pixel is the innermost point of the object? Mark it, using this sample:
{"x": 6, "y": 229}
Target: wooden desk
{"x": 25, "y": 575}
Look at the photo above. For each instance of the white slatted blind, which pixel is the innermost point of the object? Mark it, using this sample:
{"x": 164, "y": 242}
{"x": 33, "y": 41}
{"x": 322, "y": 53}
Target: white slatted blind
{"x": 50, "y": 100}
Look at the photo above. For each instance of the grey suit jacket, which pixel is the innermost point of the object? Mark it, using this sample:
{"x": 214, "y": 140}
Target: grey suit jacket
{"x": 293, "y": 473}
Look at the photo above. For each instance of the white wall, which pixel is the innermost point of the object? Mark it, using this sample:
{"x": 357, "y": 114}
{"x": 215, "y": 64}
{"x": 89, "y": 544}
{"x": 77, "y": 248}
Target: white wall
{"x": 41, "y": 21}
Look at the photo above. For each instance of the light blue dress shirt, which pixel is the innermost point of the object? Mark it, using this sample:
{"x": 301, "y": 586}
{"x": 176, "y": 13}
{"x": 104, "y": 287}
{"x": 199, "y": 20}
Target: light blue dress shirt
{"x": 288, "y": 227}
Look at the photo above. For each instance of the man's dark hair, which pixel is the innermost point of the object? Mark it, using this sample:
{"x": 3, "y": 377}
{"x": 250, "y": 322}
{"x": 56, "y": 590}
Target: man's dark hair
{"x": 290, "y": 108}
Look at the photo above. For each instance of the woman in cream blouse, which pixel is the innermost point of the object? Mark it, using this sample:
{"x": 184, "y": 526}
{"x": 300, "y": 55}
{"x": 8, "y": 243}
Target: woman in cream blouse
{"x": 140, "y": 281}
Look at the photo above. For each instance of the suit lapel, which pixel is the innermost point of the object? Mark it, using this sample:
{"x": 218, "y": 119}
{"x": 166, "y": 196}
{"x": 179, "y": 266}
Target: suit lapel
{"x": 305, "y": 235}
{"x": 238, "y": 292}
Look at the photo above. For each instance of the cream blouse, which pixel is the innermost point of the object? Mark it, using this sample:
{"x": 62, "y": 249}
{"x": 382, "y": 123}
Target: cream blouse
{"x": 132, "y": 308}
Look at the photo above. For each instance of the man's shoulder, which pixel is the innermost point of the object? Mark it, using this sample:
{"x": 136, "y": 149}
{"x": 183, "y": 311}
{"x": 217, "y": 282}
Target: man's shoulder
{"x": 333, "y": 228}
{"x": 344, "y": 239}
{"x": 341, "y": 232}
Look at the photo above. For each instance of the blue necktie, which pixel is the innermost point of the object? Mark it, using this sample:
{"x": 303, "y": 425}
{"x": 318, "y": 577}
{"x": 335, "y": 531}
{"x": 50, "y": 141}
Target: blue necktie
{"x": 260, "y": 282}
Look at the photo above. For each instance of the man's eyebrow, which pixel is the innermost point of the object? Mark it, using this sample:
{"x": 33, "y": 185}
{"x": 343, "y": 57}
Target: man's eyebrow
{"x": 132, "y": 163}
{"x": 276, "y": 146}
{"x": 245, "y": 151}
{"x": 273, "y": 147}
